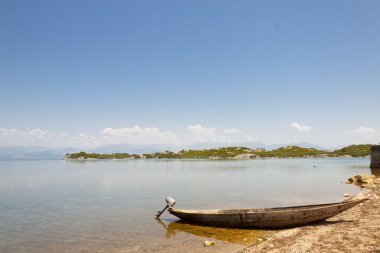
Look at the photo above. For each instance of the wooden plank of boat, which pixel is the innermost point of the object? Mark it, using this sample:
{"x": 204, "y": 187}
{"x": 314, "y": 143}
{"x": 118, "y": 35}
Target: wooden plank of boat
{"x": 265, "y": 218}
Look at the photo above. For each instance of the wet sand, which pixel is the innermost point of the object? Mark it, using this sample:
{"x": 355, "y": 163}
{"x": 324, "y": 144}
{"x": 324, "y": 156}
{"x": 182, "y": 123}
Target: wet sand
{"x": 355, "y": 230}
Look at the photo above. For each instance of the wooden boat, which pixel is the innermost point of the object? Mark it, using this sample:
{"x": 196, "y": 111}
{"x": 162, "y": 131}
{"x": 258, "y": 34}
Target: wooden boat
{"x": 264, "y": 218}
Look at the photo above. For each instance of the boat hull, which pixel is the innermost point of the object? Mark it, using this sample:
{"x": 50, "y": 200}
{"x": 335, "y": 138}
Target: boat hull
{"x": 265, "y": 218}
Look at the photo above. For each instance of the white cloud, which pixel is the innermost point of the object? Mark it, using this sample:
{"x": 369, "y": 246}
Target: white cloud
{"x": 135, "y": 135}
{"x": 39, "y": 137}
{"x": 300, "y": 128}
{"x": 231, "y": 131}
{"x": 363, "y": 131}
{"x": 198, "y": 133}
{"x": 139, "y": 136}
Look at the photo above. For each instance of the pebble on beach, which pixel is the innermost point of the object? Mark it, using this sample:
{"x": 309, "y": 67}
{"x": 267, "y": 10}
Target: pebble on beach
{"x": 209, "y": 243}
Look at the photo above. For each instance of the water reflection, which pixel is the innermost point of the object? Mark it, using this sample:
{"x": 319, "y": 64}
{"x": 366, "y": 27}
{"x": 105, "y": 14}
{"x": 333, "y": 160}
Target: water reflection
{"x": 244, "y": 237}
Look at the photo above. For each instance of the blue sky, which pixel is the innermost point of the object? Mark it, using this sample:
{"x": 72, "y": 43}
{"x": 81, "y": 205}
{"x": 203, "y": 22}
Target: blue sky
{"x": 145, "y": 72}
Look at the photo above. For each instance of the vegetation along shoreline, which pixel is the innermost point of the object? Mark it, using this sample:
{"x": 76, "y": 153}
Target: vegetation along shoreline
{"x": 239, "y": 153}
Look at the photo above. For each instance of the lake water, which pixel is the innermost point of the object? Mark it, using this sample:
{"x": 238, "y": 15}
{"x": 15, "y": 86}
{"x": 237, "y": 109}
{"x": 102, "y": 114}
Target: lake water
{"x": 109, "y": 206}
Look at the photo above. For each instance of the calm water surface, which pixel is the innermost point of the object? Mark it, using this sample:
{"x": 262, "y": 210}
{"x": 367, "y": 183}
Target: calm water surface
{"x": 109, "y": 206}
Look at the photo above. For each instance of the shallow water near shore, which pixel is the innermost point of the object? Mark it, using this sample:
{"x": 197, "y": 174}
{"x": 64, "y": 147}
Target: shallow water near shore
{"x": 109, "y": 206}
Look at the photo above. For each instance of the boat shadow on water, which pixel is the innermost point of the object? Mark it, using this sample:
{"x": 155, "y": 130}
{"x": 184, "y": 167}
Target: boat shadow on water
{"x": 243, "y": 236}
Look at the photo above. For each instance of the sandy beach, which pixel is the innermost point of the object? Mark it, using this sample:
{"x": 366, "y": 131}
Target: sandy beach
{"x": 355, "y": 230}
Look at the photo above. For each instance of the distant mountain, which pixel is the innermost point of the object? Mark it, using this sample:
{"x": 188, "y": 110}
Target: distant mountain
{"x": 132, "y": 149}
{"x": 210, "y": 145}
{"x": 254, "y": 144}
{"x": 21, "y": 149}
{"x": 33, "y": 152}
{"x": 299, "y": 144}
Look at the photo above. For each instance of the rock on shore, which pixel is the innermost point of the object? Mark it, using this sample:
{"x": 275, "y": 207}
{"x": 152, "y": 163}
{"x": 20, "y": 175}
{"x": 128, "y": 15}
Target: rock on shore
{"x": 365, "y": 181}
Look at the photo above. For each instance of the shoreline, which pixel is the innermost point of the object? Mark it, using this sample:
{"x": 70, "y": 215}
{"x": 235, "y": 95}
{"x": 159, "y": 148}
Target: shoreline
{"x": 355, "y": 230}
{"x": 217, "y": 159}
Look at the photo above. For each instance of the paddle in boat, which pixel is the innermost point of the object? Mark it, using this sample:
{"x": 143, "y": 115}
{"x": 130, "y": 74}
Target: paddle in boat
{"x": 262, "y": 218}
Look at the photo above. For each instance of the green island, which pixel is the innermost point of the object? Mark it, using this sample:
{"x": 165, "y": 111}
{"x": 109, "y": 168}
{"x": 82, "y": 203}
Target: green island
{"x": 362, "y": 150}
